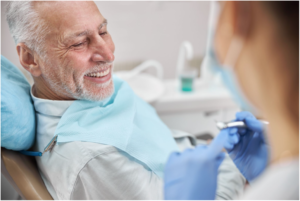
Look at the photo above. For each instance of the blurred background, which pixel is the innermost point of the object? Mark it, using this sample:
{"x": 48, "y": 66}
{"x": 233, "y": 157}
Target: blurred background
{"x": 156, "y": 31}
{"x": 141, "y": 31}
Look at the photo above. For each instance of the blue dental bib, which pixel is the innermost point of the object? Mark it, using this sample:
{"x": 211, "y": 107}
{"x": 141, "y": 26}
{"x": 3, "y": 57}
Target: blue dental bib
{"x": 123, "y": 121}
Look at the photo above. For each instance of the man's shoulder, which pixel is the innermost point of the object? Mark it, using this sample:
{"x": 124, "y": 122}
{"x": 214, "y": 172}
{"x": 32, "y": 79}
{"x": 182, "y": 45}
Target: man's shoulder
{"x": 83, "y": 151}
{"x": 61, "y": 167}
{"x": 73, "y": 156}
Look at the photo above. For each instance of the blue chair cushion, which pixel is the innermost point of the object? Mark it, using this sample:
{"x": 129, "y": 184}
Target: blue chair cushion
{"x": 17, "y": 111}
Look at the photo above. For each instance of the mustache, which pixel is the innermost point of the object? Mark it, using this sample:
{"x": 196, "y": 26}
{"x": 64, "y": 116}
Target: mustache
{"x": 100, "y": 67}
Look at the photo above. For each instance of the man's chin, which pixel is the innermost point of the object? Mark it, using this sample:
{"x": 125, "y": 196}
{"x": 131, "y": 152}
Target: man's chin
{"x": 99, "y": 93}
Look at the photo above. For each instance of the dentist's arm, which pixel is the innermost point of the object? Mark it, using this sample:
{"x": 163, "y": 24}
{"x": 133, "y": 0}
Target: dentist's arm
{"x": 192, "y": 174}
{"x": 246, "y": 146}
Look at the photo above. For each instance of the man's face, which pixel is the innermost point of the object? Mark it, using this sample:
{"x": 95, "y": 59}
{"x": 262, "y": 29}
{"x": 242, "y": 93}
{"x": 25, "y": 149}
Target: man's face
{"x": 80, "y": 51}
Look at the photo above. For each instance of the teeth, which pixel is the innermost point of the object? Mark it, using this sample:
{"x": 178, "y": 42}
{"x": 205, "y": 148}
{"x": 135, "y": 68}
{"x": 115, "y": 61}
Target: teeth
{"x": 98, "y": 74}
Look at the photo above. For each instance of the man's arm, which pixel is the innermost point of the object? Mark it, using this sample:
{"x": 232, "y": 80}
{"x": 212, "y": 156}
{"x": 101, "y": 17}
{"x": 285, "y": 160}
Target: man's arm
{"x": 116, "y": 175}
{"x": 231, "y": 182}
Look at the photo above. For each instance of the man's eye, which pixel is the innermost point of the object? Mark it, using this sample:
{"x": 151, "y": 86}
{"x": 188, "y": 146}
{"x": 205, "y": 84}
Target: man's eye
{"x": 77, "y": 45}
{"x": 104, "y": 33}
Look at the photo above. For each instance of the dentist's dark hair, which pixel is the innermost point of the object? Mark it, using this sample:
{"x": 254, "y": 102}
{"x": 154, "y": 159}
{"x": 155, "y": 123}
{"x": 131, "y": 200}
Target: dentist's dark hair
{"x": 286, "y": 14}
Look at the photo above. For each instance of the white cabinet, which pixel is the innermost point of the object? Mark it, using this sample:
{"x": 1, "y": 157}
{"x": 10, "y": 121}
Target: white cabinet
{"x": 198, "y": 122}
{"x": 195, "y": 112}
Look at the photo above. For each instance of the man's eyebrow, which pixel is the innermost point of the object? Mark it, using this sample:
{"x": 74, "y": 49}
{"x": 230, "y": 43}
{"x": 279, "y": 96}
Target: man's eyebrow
{"x": 85, "y": 32}
{"x": 102, "y": 24}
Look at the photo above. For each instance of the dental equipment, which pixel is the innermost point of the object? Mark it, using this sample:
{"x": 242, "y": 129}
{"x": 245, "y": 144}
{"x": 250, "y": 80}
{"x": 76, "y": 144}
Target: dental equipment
{"x": 186, "y": 78}
{"x": 185, "y": 52}
{"x": 143, "y": 66}
{"x": 49, "y": 147}
{"x": 146, "y": 86}
{"x": 239, "y": 124}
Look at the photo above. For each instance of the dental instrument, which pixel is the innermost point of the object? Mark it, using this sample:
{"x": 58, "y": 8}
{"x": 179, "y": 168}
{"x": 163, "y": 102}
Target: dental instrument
{"x": 49, "y": 147}
{"x": 239, "y": 124}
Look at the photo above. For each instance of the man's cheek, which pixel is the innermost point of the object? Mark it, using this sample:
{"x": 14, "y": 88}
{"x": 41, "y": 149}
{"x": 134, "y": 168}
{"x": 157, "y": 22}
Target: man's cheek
{"x": 113, "y": 47}
{"x": 111, "y": 44}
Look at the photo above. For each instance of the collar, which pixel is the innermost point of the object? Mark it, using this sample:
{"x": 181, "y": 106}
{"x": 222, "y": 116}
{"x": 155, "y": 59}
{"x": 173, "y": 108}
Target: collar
{"x": 50, "y": 107}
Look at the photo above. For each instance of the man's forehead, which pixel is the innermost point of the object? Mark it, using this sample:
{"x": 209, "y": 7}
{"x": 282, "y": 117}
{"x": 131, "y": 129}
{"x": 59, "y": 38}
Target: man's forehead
{"x": 71, "y": 35}
{"x": 61, "y": 6}
{"x": 71, "y": 16}
{"x": 66, "y": 12}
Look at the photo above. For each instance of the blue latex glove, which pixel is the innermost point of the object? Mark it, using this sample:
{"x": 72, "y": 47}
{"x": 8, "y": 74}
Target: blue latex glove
{"x": 246, "y": 146}
{"x": 192, "y": 174}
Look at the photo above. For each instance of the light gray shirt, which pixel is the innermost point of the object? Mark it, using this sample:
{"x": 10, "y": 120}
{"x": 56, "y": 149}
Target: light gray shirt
{"x": 86, "y": 170}
{"x": 278, "y": 182}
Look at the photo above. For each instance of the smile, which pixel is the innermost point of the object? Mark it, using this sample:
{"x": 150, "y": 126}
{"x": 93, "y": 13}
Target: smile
{"x": 99, "y": 74}
{"x": 99, "y": 77}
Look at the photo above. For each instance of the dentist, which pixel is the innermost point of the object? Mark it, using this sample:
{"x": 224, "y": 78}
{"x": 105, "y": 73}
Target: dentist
{"x": 255, "y": 48}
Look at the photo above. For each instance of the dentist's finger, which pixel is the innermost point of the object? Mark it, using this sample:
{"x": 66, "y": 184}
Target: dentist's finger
{"x": 242, "y": 131}
{"x": 220, "y": 158}
{"x": 250, "y": 120}
{"x": 241, "y": 116}
{"x": 218, "y": 143}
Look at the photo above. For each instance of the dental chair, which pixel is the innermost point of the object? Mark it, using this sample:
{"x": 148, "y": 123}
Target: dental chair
{"x": 21, "y": 171}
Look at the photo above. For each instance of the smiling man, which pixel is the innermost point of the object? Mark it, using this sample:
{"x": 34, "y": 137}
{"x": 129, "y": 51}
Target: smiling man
{"x": 111, "y": 144}
{"x": 77, "y": 52}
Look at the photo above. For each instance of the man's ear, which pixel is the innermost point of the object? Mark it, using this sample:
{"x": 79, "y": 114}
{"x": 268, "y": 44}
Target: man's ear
{"x": 28, "y": 60}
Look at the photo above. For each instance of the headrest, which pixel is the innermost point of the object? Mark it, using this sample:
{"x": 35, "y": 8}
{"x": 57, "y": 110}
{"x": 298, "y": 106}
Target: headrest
{"x": 17, "y": 111}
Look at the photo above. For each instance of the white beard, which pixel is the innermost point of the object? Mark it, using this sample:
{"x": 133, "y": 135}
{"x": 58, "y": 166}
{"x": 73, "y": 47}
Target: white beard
{"x": 77, "y": 90}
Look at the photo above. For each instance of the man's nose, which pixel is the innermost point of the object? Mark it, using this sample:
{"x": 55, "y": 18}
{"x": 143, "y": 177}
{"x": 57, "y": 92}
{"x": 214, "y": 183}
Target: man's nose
{"x": 103, "y": 53}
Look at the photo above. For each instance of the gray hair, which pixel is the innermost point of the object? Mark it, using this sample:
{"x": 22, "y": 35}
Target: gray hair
{"x": 26, "y": 25}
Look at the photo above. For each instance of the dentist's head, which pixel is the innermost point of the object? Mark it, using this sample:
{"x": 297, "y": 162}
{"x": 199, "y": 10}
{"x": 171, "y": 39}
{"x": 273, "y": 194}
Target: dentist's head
{"x": 65, "y": 46}
{"x": 260, "y": 41}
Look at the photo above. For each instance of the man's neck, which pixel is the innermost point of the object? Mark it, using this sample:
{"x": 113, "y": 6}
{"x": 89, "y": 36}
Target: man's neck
{"x": 41, "y": 90}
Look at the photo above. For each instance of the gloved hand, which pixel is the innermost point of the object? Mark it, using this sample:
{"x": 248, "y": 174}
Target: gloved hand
{"x": 246, "y": 146}
{"x": 192, "y": 174}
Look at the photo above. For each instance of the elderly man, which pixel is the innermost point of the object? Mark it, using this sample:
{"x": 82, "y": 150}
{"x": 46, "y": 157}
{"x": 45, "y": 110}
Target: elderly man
{"x": 69, "y": 52}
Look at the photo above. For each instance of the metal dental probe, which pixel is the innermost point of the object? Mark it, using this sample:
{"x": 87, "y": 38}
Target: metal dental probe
{"x": 239, "y": 124}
